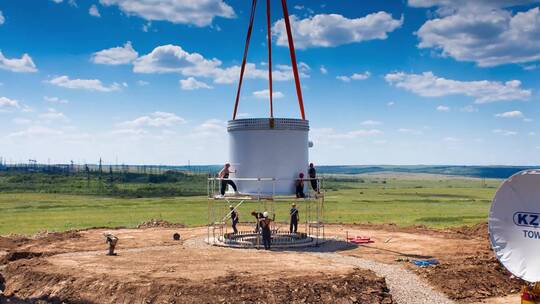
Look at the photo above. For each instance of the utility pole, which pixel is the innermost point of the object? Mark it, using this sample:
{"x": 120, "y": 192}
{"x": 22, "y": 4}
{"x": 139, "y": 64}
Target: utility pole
{"x": 100, "y": 169}
{"x": 111, "y": 178}
{"x": 87, "y": 170}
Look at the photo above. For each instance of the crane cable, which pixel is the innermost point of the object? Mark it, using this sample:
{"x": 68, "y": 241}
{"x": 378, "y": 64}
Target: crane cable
{"x": 269, "y": 34}
{"x": 293, "y": 58}
{"x": 291, "y": 51}
{"x": 250, "y": 28}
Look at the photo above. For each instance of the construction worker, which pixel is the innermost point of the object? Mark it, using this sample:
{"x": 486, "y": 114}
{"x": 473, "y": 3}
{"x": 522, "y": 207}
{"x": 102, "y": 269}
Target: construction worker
{"x": 266, "y": 231}
{"x": 300, "y": 186}
{"x": 224, "y": 176}
{"x": 111, "y": 240}
{"x": 295, "y": 217}
{"x": 257, "y": 216}
{"x": 313, "y": 177}
{"x": 234, "y": 219}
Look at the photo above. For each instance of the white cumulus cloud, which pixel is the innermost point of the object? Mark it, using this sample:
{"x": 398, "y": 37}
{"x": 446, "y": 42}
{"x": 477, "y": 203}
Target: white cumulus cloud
{"x": 83, "y": 84}
{"x": 2, "y": 18}
{"x": 469, "y": 109}
{"x": 53, "y": 114}
{"x": 116, "y": 55}
{"x": 6, "y": 103}
{"x": 468, "y": 4}
{"x": 174, "y": 59}
{"x": 54, "y": 99}
{"x": 156, "y": 119}
{"x": 36, "y": 131}
{"x": 482, "y": 32}
{"x": 505, "y": 132}
{"x": 510, "y": 114}
{"x": 193, "y": 84}
{"x": 429, "y": 85}
{"x": 330, "y": 30}
{"x": 262, "y": 94}
{"x": 93, "y": 11}
{"x": 25, "y": 64}
{"x": 410, "y": 131}
{"x": 371, "y": 123}
{"x": 355, "y": 76}
{"x": 199, "y": 13}
{"x": 442, "y": 108}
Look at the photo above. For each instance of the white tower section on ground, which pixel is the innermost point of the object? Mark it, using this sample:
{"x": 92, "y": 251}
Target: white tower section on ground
{"x": 268, "y": 148}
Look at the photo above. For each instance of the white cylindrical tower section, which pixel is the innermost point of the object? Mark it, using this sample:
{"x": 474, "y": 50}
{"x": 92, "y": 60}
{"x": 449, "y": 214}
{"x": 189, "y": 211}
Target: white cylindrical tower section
{"x": 268, "y": 148}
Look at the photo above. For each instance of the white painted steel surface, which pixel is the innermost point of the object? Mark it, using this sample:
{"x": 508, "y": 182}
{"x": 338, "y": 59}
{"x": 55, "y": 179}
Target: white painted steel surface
{"x": 261, "y": 149}
{"x": 514, "y": 225}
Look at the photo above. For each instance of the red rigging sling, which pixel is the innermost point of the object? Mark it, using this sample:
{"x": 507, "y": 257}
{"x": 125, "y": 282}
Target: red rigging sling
{"x": 291, "y": 50}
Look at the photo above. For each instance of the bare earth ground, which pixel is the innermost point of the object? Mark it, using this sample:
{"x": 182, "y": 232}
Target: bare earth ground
{"x": 151, "y": 267}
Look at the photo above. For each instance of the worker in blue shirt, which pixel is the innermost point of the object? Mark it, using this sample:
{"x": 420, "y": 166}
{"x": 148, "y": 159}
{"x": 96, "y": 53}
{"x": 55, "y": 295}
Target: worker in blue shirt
{"x": 295, "y": 217}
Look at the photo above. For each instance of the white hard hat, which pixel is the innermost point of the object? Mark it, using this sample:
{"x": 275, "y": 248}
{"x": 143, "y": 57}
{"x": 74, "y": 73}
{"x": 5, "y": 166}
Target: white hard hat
{"x": 265, "y": 214}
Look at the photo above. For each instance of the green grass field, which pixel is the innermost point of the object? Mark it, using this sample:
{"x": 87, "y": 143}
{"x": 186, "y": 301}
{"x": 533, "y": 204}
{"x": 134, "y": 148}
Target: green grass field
{"x": 405, "y": 200}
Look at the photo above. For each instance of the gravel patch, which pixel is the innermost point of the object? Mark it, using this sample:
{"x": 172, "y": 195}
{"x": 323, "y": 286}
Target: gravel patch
{"x": 405, "y": 286}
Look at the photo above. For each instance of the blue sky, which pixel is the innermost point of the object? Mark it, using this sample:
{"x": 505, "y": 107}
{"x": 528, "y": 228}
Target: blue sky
{"x": 384, "y": 82}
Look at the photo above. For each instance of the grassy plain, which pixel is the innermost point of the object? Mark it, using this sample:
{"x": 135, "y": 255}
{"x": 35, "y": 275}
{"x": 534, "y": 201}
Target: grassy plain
{"x": 403, "y": 199}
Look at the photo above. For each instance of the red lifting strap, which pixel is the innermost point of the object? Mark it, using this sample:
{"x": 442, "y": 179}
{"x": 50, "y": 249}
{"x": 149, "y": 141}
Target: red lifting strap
{"x": 250, "y": 28}
{"x": 293, "y": 58}
{"x": 291, "y": 50}
{"x": 269, "y": 34}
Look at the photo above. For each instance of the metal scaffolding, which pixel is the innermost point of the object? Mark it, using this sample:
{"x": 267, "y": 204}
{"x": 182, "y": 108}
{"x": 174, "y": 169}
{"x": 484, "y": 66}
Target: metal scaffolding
{"x": 311, "y": 209}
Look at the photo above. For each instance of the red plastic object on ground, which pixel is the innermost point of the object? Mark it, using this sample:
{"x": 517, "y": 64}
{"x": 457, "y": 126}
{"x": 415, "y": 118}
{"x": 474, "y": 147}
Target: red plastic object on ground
{"x": 360, "y": 240}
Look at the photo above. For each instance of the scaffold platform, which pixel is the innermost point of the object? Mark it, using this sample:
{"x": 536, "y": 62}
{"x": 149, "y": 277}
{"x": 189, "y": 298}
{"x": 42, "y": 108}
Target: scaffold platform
{"x": 310, "y": 208}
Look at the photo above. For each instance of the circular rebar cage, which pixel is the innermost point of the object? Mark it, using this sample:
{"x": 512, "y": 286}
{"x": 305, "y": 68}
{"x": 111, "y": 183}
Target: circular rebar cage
{"x": 309, "y": 230}
{"x": 251, "y": 239}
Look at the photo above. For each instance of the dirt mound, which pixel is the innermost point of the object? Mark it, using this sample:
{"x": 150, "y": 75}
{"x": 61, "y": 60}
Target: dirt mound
{"x": 41, "y": 238}
{"x": 472, "y": 278}
{"x": 8, "y": 243}
{"x": 475, "y": 231}
{"x": 157, "y": 223}
{"x": 18, "y": 255}
{"x": 359, "y": 286}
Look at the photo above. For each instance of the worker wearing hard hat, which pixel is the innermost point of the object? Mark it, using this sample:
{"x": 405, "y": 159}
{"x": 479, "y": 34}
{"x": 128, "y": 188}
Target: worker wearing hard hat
{"x": 224, "y": 176}
{"x": 266, "y": 231}
{"x": 295, "y": 217}
{"x": 234, "y": 218}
